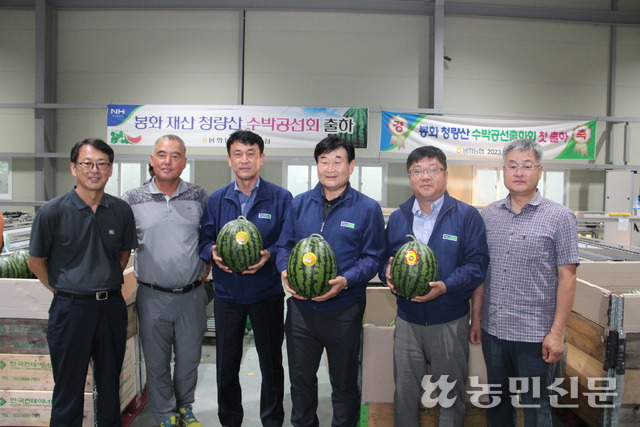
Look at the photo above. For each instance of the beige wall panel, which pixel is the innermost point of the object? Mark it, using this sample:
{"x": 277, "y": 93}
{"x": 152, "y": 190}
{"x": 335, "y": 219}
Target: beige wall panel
{"x": 586, "y": 190}
{"x": 526, "y": 66}
{"x": 17, "y": 56}
{"x": 334, "y": 59}
{"x": 628, "y": 94}
{"x": 148, "y": 57}
{"x": 17, "y": 130}
{"x": 23, "y": 182}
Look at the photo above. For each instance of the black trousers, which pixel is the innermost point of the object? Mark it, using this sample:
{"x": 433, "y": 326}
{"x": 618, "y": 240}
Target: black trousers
{"x": 79, "y": 330}
{"x": 308, "y": 334}
{"x": 266, "y": 318}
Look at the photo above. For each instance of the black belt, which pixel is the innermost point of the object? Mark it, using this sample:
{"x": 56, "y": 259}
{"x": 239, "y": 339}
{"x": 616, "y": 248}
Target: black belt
{"x": 175, "y": 291}
{"x": 99, "y": 296}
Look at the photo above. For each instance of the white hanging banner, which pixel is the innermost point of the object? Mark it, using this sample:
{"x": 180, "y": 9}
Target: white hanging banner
{"x": 201, "y": 125}
{"x": 463, "y": 138}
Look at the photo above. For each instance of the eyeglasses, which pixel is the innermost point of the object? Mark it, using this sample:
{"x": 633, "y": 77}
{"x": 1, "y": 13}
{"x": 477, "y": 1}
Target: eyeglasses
{"x": 88, "y": 166}
{"x": 335, "y": 163}
{"x": 526, "y": 168}
{"x": 429, "y": 171}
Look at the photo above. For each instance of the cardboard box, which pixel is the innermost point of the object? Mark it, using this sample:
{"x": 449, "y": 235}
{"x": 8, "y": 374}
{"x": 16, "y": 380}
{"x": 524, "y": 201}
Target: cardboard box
{"x": 35, "y": 372}
{"x": 29, "y": 336}
{"x": 377, "y": 349}
{"x": 33, "y": 408}
{"x": 592, "y": 340}
{"x": 597, "y": 281}
{"x": 128, "y": 385}
{"x": 23, "y": 336}
{"x": 377, "y": 346}
{"x": 30, "y": 372}
{"x": 381, "y": 415}
{"x": 29, "y": 299}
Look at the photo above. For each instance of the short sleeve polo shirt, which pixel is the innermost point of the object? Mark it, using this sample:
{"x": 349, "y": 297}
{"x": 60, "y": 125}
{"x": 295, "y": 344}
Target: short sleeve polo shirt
{"x": 83, "y": 248}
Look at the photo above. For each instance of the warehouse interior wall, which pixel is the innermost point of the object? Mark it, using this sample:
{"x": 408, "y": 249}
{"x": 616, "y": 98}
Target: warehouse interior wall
{"x": 314, "y": 59}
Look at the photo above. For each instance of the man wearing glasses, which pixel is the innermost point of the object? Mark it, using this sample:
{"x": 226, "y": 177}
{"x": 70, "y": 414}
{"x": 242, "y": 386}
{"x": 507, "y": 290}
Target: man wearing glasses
{"x": 80, "y": 244}
{"x": 434, "y": 328}
{"x": 529, "y": 289}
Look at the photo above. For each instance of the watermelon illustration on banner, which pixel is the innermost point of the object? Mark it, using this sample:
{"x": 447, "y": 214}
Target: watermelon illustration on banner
{"x": 359, "y": 118}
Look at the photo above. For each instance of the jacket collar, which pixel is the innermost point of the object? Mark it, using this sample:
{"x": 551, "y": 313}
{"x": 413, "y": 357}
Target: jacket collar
{"x": 318, "y": 196}
{"x": 263, "y": 192}
{"x": 447, "y": 204}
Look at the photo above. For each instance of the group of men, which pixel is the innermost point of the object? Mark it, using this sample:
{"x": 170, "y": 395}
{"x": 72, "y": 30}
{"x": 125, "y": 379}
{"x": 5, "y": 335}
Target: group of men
{"x": 516, "y": 262}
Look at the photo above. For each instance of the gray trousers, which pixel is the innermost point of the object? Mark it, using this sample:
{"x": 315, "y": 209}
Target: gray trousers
{"x": 446, "y": 348}
{"x": 171, "y": 324}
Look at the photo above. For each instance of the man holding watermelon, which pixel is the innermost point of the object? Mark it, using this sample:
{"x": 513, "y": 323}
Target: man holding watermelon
{"x": 433, "y": 327}
{"x": 529, "y": 289}
{"x": 80, "y": 244}
{"x": 255, "y": 293}
{"x": 170, "y": 300}
{"x": 353, "y": 225}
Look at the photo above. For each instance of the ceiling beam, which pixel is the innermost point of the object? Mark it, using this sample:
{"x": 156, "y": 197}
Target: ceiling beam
{"x": 419, "y": 7}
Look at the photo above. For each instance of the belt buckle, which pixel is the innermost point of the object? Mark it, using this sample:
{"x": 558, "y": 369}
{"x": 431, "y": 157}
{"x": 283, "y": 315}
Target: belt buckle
{"x": 178, "y": 291}
{"x": 102, "y": 295}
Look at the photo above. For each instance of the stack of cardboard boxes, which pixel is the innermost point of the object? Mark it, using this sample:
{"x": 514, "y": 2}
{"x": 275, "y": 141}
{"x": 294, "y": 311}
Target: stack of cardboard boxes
{"x": 603, "y": 345}
{"x": 26, "y": 378}
{"x": 377, "y": 366}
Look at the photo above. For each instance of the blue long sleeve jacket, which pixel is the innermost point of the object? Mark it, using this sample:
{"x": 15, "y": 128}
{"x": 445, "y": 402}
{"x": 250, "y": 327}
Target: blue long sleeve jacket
{"x": 355, "y": 230}
{"x": 459, "y": 242}
{"x": 267, "y": 213}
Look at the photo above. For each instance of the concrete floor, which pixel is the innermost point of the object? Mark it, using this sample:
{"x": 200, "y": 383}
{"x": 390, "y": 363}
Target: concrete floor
{"x": 205, "y": 407}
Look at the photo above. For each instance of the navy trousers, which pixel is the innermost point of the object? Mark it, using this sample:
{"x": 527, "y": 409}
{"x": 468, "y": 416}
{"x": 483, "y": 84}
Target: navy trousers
{"x": 518, "y": 367}
{"x": 80, "y": 330}
{"x": 310, "y": 332}
{"x": 266, "y": 318}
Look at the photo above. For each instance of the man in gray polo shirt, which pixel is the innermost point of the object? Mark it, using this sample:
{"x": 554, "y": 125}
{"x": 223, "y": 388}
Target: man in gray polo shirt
{"x": 171, "y": 303}
{"x": 80, "y": 244}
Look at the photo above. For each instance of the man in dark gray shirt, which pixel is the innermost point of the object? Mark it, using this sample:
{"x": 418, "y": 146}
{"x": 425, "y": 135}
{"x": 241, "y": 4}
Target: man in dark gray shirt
{"x": 80, "y": 245}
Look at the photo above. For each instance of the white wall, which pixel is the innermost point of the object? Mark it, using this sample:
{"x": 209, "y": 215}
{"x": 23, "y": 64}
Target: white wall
{"x": 313, "y": 59}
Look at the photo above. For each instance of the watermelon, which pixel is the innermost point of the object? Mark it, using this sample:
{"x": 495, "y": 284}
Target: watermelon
{"x": 8, "y": 268}
{"x": 311, "y": 265}
{"x": 239, "y": 244}
{"x": 21, "y": 258}
{"x": 414, "y": 266}
{"x": 16, "y": 265}
{"x": 360, "y": 118}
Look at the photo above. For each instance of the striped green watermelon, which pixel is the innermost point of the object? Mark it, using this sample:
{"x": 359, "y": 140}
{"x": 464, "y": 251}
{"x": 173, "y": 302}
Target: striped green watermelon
{"x": 311, "y": 265}
{"x": 414, "y": 266}
{"x": 8, "y": 268}
{"x": 360, "y": 118}
{"x": 239, "y": 244}
{"x": 21, "y": 258}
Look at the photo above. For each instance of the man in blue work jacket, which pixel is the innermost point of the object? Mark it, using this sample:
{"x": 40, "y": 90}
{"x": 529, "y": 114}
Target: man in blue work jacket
{"x": 434, "y": 328}
{"x": 256, "y": 293}
{"x": 353, "y": 225}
